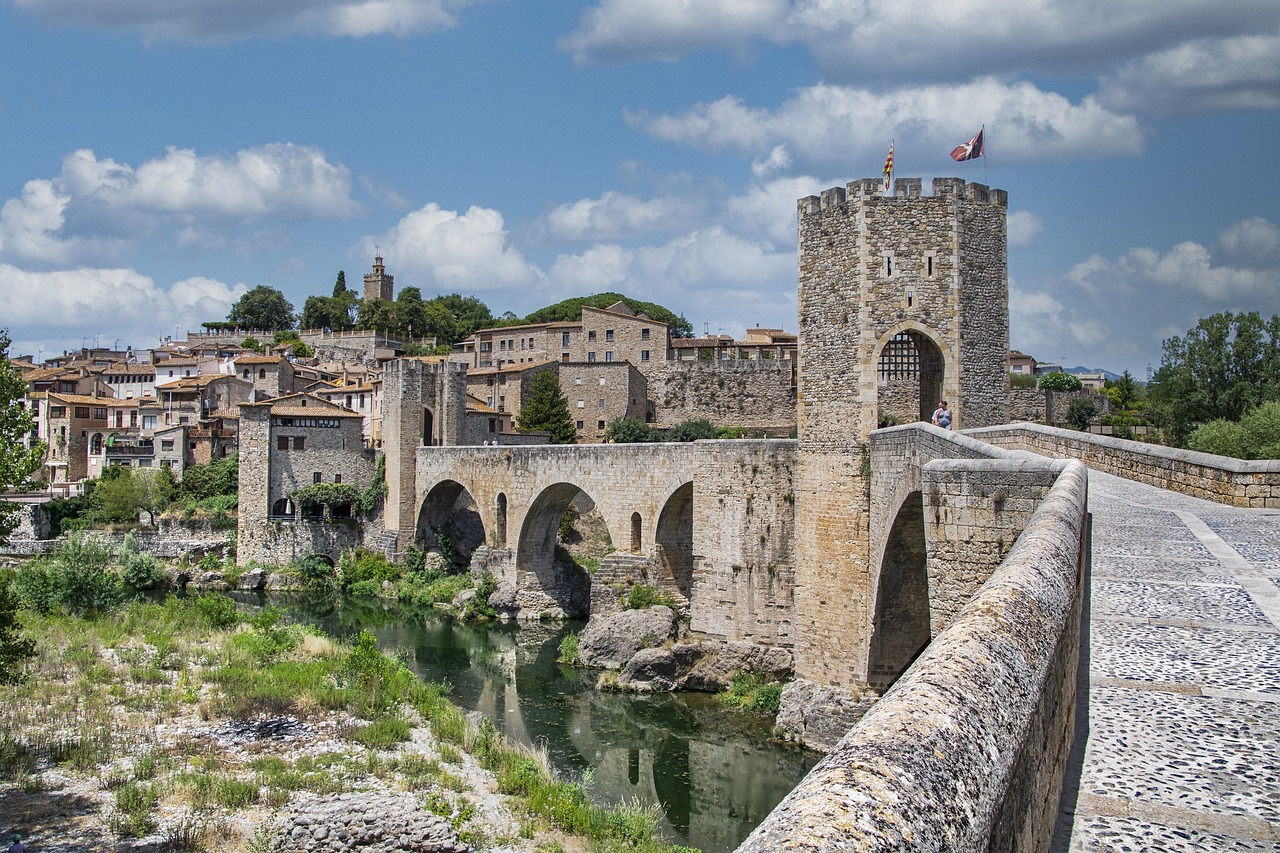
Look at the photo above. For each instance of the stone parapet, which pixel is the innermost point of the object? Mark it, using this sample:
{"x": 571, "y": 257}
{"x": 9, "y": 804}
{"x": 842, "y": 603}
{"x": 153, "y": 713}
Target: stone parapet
{"x": 967, "y": 751}
{"x": 1236, "y": 482}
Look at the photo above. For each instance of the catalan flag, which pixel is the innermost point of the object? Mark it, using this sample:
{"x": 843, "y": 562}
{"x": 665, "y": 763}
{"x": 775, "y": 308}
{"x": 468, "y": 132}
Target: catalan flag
{"x": 888, "y": 168}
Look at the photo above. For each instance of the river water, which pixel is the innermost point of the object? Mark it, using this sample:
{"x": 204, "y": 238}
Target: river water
{"x": 713, "y": 773}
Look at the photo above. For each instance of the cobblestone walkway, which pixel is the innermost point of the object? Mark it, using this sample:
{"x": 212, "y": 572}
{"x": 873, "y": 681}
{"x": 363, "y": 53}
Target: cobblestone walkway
{"x": 1183, "y": 721}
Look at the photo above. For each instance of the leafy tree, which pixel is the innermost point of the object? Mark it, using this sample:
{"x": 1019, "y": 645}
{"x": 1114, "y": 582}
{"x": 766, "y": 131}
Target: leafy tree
{"x": 1021, "y": 380}
{"x": 317, "y": 313}
{"x": 1219, "y": 437}
{"x": 571, "y": 309}
{"x": 219, "y": 477}
{"x": 440, "y": 324}
{"x": 628, "y": 431}
{"x": 1081, "y": 412}
{"x": 411, "y": 314}
{"x": 117, "y": 496}
{"x": 547, "y": 409}
{"x": 691, "y": 430}
{"x": 300, "y": 350}
{"x": 468, "y": 312}
{"x": 340, "y": 286}
{"x": 252, "y": 343}
{"x": 377, "y": 314}
{"x": 17, "y": 462}
{"x": 1124, "y": 392}
{"x": 262, "y": 308}
{"x": 1255, "y": 436}
{"x": 1226, "y": 365}
{"x": 1060, "y": 381}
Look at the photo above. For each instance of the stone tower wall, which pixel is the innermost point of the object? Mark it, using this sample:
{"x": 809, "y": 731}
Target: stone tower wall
{"x": 409, "y": 388}
{"x": 870, "y": 267}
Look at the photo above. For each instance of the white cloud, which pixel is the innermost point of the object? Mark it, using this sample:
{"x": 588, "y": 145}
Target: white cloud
{"x": 453, "y": 251}
{"x": 1198, "y": 77}
{"x": 895, "y": 40}
{"x": 96, "y": 206}
{"x": 615, "y": 216}
{"x": 627, "y": 30}
{"x": 67, "y": 305}
{"x": 220, "y": 21}
{"x": 1116, "y": 312}
{"x": 767, "y": 212}
{"x": 823, "y": 125}
{"x": 777, "y": 161}
{"x": 1024, "y": 228}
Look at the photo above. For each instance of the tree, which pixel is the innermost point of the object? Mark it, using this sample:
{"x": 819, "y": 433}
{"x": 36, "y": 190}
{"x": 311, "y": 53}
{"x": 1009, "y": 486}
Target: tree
{"x": 17, "y": 462}
{"x": 340, "y": 286}
{"x": 468, "y": 312}
{"x": 571, "y": 309}
{"x": 1060, "y": 381}
{"x": 1226, "y": 365}
{"x": 628, "y": 431}
{"x": 691, "y": 430}
{"x": 117, "y": 496}
{"x": 547, "y": 409}
{"x": 262, "y": 308}
{"x": 377, "y": 314}
{"x": 411, "y": 315}
{"x": 1124, "y": 392}
{"x": 252, "y": 343}
{"x": 1081, "y": 412}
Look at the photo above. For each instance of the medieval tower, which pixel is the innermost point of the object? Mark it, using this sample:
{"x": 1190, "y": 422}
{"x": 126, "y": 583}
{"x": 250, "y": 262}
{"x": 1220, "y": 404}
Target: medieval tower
{"x": 903, "y": 302}
{"x": 377, "y": 284}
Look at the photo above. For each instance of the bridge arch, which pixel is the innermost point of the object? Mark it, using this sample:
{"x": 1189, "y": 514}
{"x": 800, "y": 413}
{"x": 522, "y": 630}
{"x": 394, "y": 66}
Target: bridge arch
{"x": 563, "y": 585}
{"x": 450, "y": 521}
{"x": 910, "y": 374}
{"x": 674, "y": 538}
{"x": 901, "y": 618}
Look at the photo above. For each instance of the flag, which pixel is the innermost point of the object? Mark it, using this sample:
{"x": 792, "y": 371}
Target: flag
{"x": 888, "y": 168}
{"x": 971, "y": 150}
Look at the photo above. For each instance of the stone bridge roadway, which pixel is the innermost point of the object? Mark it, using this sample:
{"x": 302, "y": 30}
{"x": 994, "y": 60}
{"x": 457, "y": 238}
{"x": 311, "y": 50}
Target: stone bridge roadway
{"x": 1183, "y": 655}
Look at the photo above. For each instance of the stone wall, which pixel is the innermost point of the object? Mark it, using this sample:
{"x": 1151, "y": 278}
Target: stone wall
{"x": 732, "y": 392}
{"x": 171, "y": 541}
{"x": 1237, "y": 482}
{"x": 281, "y": 543}
{"x": 1036, "y": 405}
{"x": 967, "y": 751}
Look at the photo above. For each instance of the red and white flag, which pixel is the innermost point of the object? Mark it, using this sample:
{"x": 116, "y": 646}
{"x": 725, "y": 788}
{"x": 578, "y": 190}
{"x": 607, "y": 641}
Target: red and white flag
{"x": 888, "y": 168}
{"x": 971, "y": 150}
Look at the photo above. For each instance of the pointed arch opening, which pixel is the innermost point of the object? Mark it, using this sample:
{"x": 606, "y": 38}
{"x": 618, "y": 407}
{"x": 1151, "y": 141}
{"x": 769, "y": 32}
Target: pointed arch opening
{"x": 428, "y": 428}
{"x": 901, "y": 629}
{"x": 909, "y": 374}
{"x": 500, "y": 521}
{"x": 547, "y": 571}
{"x": 675, "y": 539}
{"x": 449, "y": 524}
{"x": 635, "y": 533}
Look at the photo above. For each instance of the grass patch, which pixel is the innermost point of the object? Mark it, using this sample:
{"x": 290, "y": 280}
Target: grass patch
{"x": 750, "y": 691}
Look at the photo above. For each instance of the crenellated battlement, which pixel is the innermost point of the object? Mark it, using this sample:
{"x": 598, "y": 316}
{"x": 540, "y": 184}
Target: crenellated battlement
{"x": 868, "y": 189}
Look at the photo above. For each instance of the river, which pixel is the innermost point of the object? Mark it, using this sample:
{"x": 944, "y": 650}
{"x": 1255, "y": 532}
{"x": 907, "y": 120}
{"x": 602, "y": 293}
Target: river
{"x": 713, "y": 773}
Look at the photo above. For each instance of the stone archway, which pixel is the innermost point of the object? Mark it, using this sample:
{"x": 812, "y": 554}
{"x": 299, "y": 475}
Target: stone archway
{"x": 901, "y": 629}
{"x": 910, "y": 369}
{"x": 549, "y": 580}
{"x": 675, "y": 539}
{"x": 450, "y": 524}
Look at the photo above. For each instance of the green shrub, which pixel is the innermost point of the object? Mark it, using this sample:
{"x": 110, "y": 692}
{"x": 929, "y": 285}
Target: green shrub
{"x": 384, "y": 733}
{"x": 216, "y": 611}
{"x": 643, "y": 595}
{"x": 1261, "y": 427}
{"x": 628, "y": 431}
{"x": 1081, "y": 412}
{"x": 364, "y": 566}
{"x": 750, "y": 691}
{"x": 314, "y": 569}
{"x": 1220, "y": 437}
{"x": 569, "y": 650}
{"x": 691, "y": 430}
{"x": 1060, "y": 381}
{"x": 1021, "y": 380}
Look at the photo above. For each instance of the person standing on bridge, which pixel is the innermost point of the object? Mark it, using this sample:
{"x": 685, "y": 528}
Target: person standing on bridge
{"x": 942, "y": 416}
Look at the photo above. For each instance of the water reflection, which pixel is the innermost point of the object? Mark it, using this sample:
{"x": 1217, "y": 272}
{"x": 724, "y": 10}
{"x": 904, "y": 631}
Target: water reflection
{"x": 714, "y": 774}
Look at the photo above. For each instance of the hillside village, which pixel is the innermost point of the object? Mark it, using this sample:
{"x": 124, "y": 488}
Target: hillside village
{"x": 179, "y": 403}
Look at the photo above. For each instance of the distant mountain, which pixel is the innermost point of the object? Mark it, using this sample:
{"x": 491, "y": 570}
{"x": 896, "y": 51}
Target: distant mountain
{"x": 1107, "y": 374}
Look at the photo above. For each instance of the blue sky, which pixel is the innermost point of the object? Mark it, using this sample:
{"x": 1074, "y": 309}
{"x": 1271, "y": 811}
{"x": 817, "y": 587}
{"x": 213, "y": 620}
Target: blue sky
{"x": 159, "y": 158}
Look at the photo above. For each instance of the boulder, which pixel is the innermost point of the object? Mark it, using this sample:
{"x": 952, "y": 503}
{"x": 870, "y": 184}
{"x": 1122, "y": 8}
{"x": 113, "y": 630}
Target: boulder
{"x": 716, "y": 669}
{"x": 463, "y": 597}
{"x": 817, "y": 715}
{"x": 611, "y": 641}
{"x": 503, "y": 599}
{"x": 252, "y": 579}
{"x": 651, "y": 670}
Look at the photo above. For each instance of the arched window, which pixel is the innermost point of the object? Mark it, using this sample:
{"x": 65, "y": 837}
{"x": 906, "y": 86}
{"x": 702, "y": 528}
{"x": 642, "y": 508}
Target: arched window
{"x": 282, "y": 508}
{"x": 635, "y": 532}
{"x": 262, "y": 373}
{"x": 95, "y": 445}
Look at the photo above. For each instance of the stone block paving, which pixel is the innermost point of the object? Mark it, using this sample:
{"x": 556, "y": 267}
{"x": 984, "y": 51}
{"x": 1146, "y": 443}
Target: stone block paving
{"x": 1181, "y": 737}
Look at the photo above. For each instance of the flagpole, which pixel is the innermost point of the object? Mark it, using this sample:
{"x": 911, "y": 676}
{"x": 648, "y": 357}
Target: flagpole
{"x": 985, "y": 179}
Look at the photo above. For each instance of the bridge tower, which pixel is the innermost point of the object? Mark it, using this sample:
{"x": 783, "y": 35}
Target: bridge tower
{"x": 903, "y": 301}
{"x": 424, "y": 404}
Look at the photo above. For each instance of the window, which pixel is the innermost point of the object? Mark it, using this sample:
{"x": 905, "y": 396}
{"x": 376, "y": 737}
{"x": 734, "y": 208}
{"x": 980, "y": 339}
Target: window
{"x": 316, "y": 478}
{"x": 608, "y": 356}
{"x": 489, "y": 400}
{"x": 644, "y": 334}
{"x": 348, "y": 401}
{"x": 601, "y": 406}
{"x": 608, "y": 334}
{"x": 99, "y": 413}
{"x": 888, "y": 266}
{"x": 337, "y": 478}
{"x": 928, "y": 265}
{"x": 57, "y": 411}
{"x": 530, "y": 343}
{"x": 599, "y": 424}
{"x": 601, "y": 381}
{"x": 282, "y": 443}
{"x": 502, "y": 345}
{"x": 564, "y": 339}
{"x": 493, "y": 424}
{"x": 579, "y": 425}
{"x": 644, "y": 355}
{"x": 167, "y": 444}
{"x": 578, "y": 381}
{"x": 81, "y": 411}
{"x": 148, "y": 421}
{"x": 299, "y": 442}
{"x": 192, "y": 445}
{"x": 582, "y": 404}
{"x": 591, "y": 335}
{"x": 591, "y": 356}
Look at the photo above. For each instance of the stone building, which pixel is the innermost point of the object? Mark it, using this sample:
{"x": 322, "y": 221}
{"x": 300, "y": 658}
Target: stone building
{"x": 377, "y": 284}
{"x": 601, "y": 391}
{"x": 903, "y": 302}
{"x": 269, "y": 375}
